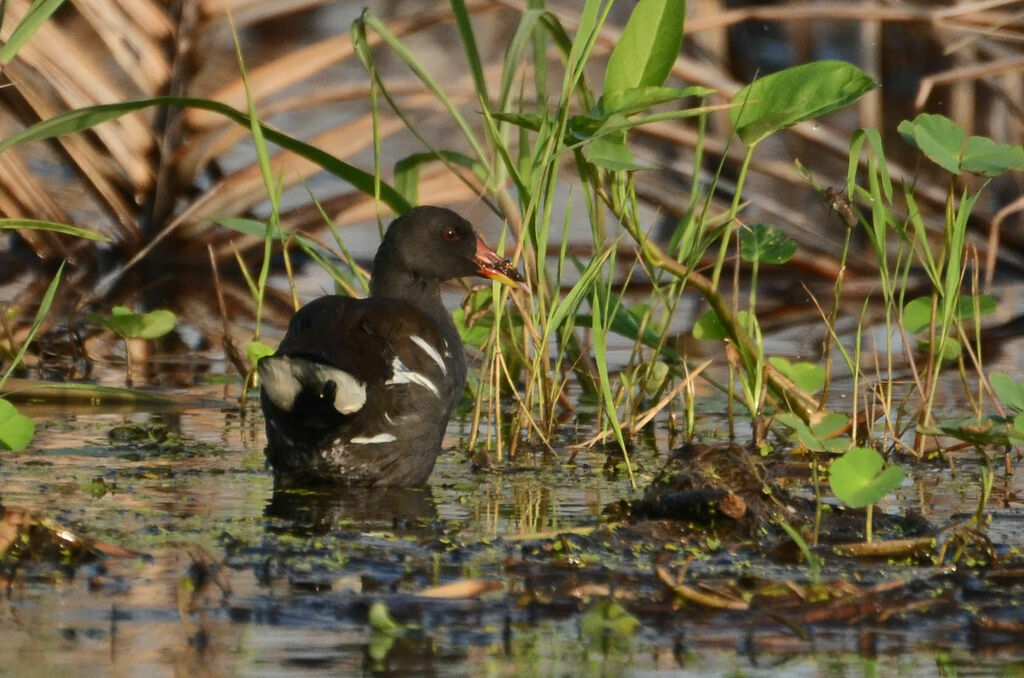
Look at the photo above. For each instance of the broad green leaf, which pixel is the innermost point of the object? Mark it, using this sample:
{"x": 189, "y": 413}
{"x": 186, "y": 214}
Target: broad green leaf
{"x": 938, "y": 137}
{"x": 37, "y": 14}
{"x": 16, "y": 430}
{"x": 857, "y": 477}
{"x": 125, "y": 323}
{"x": 766, "y": 244}
{"x": 917, "y": 312}
{"x": 950, "y": 348}
{"x": 648, "y": 46}
{"x": 828, "y": 426}
{"x": 990, "y": 159}
{"x": 1009, "y": 392}
{"x": 808, "y": 376}
{"x": 53, "y": 227}
{"x": 82, "y": 119}
{"x": 709, "y": 326}
{"x": 255, "y": 350}
{"x": 796, "y": 94}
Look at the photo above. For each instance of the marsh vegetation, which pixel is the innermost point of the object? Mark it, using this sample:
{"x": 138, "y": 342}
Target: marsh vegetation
{"x": 767, "y": 376}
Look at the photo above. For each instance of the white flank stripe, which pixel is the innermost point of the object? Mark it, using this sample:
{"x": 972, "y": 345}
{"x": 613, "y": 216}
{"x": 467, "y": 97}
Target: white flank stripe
{"x": 430, "y": 351}
{"x": 403, "y": 375}
{"x": 373, "y": 440}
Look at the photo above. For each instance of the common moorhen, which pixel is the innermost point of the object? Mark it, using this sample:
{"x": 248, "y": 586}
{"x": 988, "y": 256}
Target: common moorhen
{"x": 360, "y": 390}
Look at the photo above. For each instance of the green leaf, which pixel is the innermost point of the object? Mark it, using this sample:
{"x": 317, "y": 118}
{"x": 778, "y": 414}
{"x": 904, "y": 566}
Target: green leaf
{"x": 796, "y": 94}
{"x": 917, "y": 313}
{"x": 709, "y": 326}
{"x": 808, "y": 376}
{"x": 37, "y": 14}
{"x": 611, "y": 152}
{"x": 990, "y": 159}
{"x": 53, "y": 227}
{"x": 16, "y": 430}
{"x": 1009, "y": 392}
{"x": 938, "y": 137}
{"x": 950, "y": 348}
{"x": 766, "y": 244}
{"x": 857, "y": 478}
{"x": 648, "y": 46}
{"x": 381, "y": 621}
{"x": 123, "y": 322}
{"x": 255, "y": 350}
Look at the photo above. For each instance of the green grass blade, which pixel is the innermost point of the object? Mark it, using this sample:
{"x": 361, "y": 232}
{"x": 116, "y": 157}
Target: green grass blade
{"x": 44, "y": 308}
{"x": 82, "y": 119}
{"x": 469, "y": 45}
{"x": 52, "y": 227}
{"x": 37, "y": 14}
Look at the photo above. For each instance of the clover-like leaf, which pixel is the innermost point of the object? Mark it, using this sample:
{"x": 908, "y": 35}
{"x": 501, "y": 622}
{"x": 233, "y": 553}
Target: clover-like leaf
{"x": 16, "y": 430}
{"x": 946, "y": 144}
{"x": 857, "y": 478}
{"x": 938, "y": 137}
{"x": 766, "y": 244}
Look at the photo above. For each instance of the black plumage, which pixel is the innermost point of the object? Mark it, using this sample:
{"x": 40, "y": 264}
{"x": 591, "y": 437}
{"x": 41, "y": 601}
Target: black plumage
{"x": 360, "y": 390}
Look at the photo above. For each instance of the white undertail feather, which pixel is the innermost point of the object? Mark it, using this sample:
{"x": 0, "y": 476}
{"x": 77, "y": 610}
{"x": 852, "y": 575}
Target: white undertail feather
{"x": 372, "y": 440}
{"x": 430, "y": 351}
{"x": 403, "y": 375}
{"x": 283, "y": 378}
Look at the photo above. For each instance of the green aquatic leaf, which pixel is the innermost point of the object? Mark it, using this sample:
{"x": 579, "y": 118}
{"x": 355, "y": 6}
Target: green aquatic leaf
{"x": 990, "y": 159}
{"x": 16, "y": 430}
{"x": 857, "y": 478}
{"x": 917, "y": 313}
{"x": 808, "y": 376}
{"x": 766, "y": 244}
{"x": 381, "y": 621}
{"x": 1009, "y": 392}
{"x": 127, "y": 324}
{"x": 945, "y": 143}
{"x": 938, "y": 137}
{"x": 796, "y": 94}
{"x": 710, "y": 327}
{"x": 255, "y": 350}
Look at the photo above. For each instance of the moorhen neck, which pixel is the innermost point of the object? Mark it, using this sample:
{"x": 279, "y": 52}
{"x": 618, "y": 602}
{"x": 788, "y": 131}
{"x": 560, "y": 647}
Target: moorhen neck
{"x": 360, "y": 390}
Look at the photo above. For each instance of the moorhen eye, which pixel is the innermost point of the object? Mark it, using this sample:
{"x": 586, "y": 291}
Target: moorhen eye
{"x": 360, "y": 390}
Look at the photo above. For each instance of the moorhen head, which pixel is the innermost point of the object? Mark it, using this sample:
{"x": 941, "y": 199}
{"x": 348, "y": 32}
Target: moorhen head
{"x": 360, "y": 390}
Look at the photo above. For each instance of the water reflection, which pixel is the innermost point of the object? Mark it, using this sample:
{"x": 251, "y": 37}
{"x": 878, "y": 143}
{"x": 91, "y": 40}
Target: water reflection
{"x": 320, "y": 510}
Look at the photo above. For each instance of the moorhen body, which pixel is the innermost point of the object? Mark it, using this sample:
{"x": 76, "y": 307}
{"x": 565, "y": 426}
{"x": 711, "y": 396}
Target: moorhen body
{"x": 360, "y": 390}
